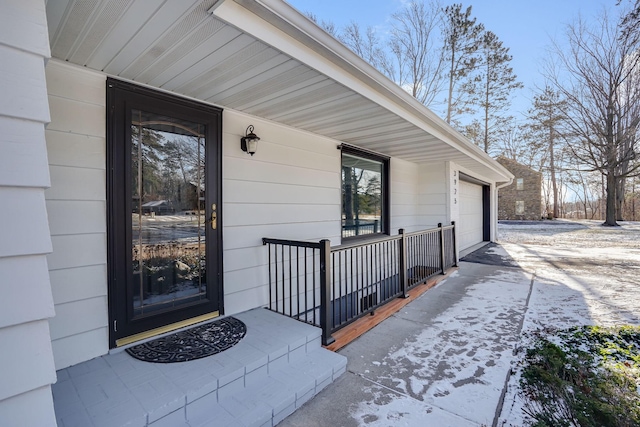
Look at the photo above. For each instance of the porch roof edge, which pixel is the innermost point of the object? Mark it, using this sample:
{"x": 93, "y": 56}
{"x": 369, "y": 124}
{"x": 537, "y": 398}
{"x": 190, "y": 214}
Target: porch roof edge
{"x": 297, "y": 26}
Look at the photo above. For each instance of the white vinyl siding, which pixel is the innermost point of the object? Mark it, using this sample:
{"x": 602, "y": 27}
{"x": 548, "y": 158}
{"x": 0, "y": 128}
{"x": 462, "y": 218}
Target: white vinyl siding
{"x": 432, "y": 195}
{"x": 26, "y": 302}
{"x": 290, "y": 189}
{"x": 77, "y": 210}
{"x": 470, "y": 230}
{"x": 404, "y": 196}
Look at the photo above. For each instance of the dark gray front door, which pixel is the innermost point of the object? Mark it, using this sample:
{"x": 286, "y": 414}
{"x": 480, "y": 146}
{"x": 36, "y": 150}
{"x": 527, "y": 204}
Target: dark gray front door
{"x": 164, "y": 194}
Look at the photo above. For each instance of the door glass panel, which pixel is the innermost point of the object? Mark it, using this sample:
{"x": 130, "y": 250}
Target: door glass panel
{"x": 168, "y": 212}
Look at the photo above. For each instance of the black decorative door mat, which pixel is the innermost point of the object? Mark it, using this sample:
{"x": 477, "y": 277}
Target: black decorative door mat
{"x": 191, "y": 344}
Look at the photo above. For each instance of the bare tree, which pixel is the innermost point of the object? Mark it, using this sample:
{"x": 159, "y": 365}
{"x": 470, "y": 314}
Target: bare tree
{"x": 520, "y": 142}
{"x": 513, "y": 145}
{"x": 412, "y": 56}
{"x": 461, "y": 43}
{"x": 368, "y": 47}
{"x": 416, "y": 46}
{"x": 328, "y": 26}
{"x": 597, "y": 74}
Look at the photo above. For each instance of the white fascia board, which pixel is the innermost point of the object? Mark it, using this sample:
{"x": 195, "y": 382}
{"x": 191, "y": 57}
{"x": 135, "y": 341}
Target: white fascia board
{"x": 281, "y": 26}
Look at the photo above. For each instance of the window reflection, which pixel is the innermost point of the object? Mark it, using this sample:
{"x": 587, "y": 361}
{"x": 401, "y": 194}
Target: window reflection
{"x": 362, "y": 202}
{"x": 168, "y": 223}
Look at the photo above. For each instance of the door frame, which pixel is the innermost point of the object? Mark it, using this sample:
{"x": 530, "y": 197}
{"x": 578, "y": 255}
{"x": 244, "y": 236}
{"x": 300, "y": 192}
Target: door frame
{"x": 122, "y": 97}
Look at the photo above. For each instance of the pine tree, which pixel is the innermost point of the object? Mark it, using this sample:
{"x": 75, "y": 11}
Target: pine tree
{"x": 546, "y": 119}
{"x": 496, "y": 82}
{"x": 461, "y": 43}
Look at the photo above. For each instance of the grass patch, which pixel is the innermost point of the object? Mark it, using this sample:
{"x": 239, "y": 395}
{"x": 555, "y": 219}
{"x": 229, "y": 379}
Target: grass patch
{"x": 584, "y": 376}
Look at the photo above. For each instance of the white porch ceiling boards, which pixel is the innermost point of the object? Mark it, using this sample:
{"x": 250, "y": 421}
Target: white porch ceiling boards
{"x": 177, "y": 45}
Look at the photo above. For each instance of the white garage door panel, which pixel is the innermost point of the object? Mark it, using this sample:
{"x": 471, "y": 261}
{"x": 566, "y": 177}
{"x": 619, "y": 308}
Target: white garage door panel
{"x": 471, "y": 221}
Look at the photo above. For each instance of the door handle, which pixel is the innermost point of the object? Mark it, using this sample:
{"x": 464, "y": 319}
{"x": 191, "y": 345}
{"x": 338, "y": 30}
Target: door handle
{"x": 214, "y": 217}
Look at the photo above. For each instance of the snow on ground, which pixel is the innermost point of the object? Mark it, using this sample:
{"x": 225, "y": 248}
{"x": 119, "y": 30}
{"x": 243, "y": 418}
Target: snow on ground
{"x": 452, "y": 372}
{"x": 585, "y": 274}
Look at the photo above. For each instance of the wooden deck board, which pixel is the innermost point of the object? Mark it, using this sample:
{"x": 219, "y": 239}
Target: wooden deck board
{"x": 349, "y": 333}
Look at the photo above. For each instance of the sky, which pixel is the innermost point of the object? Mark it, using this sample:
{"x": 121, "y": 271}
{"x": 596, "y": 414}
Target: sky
{"x": 524, "y": 26}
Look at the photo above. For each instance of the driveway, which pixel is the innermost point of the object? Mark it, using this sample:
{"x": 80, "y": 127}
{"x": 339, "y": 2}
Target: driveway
{"x": 446, "y": 359}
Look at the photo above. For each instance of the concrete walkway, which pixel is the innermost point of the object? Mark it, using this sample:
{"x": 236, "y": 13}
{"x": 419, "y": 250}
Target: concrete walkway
{"x": 441, "y": 361}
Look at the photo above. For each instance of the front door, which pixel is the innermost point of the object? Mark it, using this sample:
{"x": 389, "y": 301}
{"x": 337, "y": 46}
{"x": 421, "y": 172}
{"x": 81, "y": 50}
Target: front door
{"x": 163, "y": 196}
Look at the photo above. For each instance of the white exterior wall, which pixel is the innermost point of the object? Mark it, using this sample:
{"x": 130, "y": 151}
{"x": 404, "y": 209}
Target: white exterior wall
{"x": 404, "y": 196}
{"x": 290, "y": 189}
{"x": 433, "y": 196}
{"x": 77, "y": 212}
{"x": 26, "y": 360}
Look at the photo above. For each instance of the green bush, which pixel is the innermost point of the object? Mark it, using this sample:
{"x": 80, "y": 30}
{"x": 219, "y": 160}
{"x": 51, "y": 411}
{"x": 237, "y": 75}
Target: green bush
{"x": 584, "y": 376}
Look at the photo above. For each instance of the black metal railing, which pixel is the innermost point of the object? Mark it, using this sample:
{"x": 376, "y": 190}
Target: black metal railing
{"x": 332, "y": 287}
{"x": 363, "y": 277}
{"x": 359, "y": 227}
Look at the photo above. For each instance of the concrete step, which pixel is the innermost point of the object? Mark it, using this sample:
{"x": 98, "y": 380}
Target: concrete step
{"x": 271, "y": 399}
{"x": 275, "y": 368}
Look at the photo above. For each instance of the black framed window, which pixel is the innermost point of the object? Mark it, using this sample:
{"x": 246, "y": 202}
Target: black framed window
{"x": 365, "y": 193}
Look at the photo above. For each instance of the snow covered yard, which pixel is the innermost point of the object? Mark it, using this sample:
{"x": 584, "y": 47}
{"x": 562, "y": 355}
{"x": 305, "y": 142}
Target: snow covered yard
{"x": 584, "y": 274}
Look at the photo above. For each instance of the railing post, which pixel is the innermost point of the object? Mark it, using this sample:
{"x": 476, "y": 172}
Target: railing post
{"x": 402, "y": 263}
{"x": 455, "y": 245}
{"x": 326, "y": 309}
{"x": 442, "y": 259}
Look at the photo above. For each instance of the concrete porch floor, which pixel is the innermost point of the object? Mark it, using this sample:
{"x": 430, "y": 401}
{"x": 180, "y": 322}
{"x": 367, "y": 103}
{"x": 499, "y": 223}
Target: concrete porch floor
{"x": 278, "y": 366}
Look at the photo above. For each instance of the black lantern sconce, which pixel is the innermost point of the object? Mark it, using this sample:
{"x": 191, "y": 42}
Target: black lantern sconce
{"x": 249, "y": 142}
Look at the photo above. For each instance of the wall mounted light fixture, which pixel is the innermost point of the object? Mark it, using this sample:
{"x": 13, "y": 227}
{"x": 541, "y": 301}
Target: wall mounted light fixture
{"x": 249, "y": 142}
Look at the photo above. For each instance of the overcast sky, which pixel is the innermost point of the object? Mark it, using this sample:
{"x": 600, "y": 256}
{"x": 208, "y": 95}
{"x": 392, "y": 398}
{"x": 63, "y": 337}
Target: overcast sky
{"x": 525, "y": 26}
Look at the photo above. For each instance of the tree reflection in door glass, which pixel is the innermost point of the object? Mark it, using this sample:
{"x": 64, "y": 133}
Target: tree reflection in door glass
{"x": 168, "y": 212}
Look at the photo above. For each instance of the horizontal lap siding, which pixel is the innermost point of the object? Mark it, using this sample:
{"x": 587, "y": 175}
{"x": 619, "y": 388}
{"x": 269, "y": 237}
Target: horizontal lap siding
{"x": 290, "y": 189}
{"x": 432, "y": 195}
{"x": 77, "y": 211}
{"x": 26, "y": 302}
{"x": 404, "y": 187}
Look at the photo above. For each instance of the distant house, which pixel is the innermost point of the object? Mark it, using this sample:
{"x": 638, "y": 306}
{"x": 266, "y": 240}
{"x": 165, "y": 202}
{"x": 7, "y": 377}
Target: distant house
{"x": 158, "y": 207}
{"x": 522, "y": 199}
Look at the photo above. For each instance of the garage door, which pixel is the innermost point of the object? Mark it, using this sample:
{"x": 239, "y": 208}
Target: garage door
{"x": 470, "y": 231}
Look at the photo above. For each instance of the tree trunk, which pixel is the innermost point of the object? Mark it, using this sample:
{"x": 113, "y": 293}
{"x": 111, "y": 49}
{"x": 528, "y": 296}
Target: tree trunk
{"x": 451, "y": 77}
{"x": 620, "y": 187}
{"x": 552, "y": 172}
{"x": 486, "y": 119}
{"x": 603, "y": 197}
{"x": 610, "y": 218}
{"x": 633, "y": 199}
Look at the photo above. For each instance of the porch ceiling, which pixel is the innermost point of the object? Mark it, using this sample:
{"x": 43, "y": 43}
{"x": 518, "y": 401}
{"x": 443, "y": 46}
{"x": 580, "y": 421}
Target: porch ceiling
{"x": 180, "y": 47}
